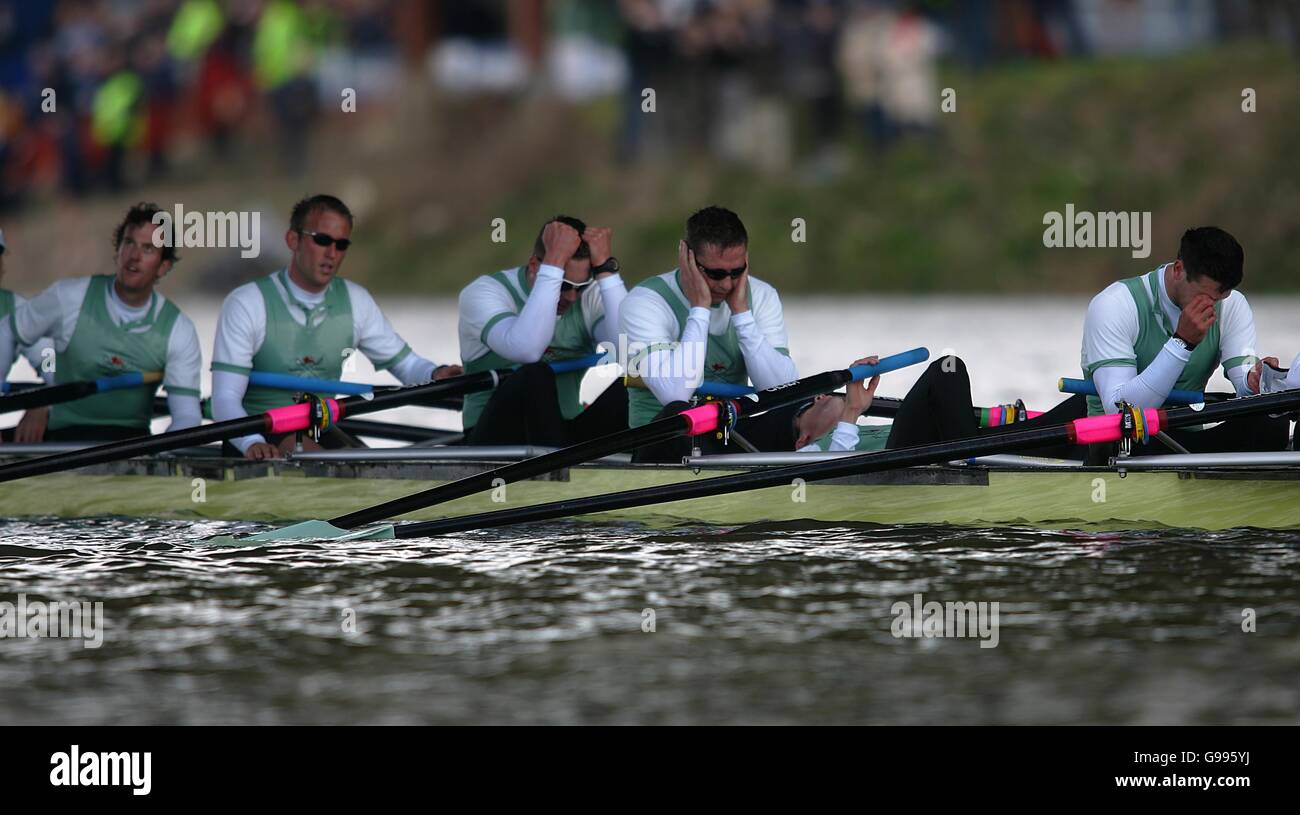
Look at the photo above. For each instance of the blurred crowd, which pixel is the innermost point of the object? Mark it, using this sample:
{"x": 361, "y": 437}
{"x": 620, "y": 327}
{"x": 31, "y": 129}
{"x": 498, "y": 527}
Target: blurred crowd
{"x": 87, "y": 86}
{"x": 96, "y": 93}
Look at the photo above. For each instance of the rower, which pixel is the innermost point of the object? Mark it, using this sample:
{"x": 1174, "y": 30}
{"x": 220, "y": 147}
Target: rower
{"x": 708, "y": 320}
{"x": 562, "y": 304}
{"x": 1169, "y": 328}
{"x": 106, "y": 325}
{"x": 303, "y": 320}
{"x": 938, "y": 408}
{"x": 9, "y": 302}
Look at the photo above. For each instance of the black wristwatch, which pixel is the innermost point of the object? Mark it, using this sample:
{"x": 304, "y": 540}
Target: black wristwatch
{"x": 610, "y": 265}
{"x": 1190, "y": 346}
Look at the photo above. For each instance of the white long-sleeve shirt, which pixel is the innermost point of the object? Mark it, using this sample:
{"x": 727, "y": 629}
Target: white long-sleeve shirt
{"x": 54, "y": 313}
{"x": 1110, "y": 334}
{"x": 1271, "y": 381}
{"x": 675, "y": 370}
{"x": 491, "y": 319}
{"x": 241, "y": 330}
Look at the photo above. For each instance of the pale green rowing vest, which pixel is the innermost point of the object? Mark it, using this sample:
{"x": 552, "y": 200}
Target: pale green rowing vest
{"x": 1154, "y": 331}
{"x": 99, "y": 347}
{"x": 870, "y": 437}
{"x": 7, "y": 311}
{"x": 315, "y": 350}
{"x": 723, "y": 361}
{"x": 570, "y": 341}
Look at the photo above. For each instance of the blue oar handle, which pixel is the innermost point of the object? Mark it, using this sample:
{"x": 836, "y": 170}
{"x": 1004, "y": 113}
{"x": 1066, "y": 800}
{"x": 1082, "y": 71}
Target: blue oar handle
{"x": 288, "y": 382}
{"x": 723, "y": 390}
{"x": 131, "y": 379}
{"x": 1088, "y": 388}
{"x": 581, "y": 363}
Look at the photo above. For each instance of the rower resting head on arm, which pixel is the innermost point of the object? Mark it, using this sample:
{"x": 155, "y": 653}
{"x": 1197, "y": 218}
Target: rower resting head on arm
{"x": 828, "y": 411}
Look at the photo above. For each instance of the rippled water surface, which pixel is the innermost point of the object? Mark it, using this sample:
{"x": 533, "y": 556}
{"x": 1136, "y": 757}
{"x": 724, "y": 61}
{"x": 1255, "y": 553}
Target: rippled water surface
{"x": 770, "y": 624}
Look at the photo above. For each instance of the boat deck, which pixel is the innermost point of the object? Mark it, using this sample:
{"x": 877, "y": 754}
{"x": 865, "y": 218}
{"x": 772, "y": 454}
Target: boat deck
{"x": 1180, "y": 491}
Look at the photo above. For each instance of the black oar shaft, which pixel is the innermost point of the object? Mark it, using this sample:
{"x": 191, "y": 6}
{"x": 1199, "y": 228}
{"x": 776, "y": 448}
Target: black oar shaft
{"x": 667, "y": 428}
{"x": 877, "y": 461}
{"x": 234, "y": 428}
{"x": 41, "y": 397}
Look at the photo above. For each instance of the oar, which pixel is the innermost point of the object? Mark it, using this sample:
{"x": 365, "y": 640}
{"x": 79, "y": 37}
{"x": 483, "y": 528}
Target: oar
{"x": 286, "y": 419}
{"x": 1089, "y": 388}
{"x": 704, "y": 418}
{"x": 289, "y": 382}
{"x": 54, "y": 394}
{"x": 1091, "y": 430}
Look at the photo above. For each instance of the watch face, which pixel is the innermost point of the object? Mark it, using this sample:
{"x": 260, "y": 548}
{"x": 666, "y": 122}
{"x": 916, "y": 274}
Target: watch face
{"x": 610, "y": 265}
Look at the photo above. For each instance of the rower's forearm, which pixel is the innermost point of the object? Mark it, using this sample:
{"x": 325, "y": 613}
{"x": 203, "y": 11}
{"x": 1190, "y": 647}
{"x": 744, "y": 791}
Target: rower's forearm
{"x": 228, "y": 403}
{"x": 524, "y": 337}
{"x": 673, "y": 374}
{"x": 185, "y": 411}
{"x": 767, "y": 366}
{"x": 612, "y": 293}
{"x": 413, "y": 369}
{"x": 1148, "y": 389}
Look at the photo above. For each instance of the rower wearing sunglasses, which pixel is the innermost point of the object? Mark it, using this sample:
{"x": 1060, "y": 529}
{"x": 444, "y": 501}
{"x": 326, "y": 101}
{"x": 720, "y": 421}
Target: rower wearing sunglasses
{"x": 303, "y": 320}
{"x": 708, "y": 320}
{"x": 562, "y": 304}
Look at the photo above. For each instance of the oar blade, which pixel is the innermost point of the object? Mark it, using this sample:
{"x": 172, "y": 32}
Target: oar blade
{"x": 308, "y": 530}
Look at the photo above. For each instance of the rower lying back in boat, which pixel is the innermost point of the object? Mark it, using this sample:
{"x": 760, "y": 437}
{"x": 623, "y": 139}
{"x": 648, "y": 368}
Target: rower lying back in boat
{"x": 108, "y": 325}
{"x": 303, "y": 320}
{"x": 562, "y": 304}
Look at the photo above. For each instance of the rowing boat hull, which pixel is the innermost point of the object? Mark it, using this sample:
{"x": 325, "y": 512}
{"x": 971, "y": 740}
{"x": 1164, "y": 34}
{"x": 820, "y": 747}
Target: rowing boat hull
{"x": 287, "y": 491}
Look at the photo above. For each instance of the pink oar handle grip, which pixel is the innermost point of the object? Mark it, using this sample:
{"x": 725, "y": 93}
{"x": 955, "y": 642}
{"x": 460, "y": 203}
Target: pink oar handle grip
{"x": 1098, "y": 429}
{"x": 702, "y": 419}
{"x": 292, "y": 418}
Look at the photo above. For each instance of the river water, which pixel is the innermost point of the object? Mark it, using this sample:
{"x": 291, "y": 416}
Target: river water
{"x": 576, "y": 622}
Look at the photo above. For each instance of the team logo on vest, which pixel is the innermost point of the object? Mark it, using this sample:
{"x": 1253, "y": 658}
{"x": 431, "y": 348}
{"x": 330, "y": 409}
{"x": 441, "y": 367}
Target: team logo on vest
{"x": 114, "y": 361}
{"x": 306, "y": 364}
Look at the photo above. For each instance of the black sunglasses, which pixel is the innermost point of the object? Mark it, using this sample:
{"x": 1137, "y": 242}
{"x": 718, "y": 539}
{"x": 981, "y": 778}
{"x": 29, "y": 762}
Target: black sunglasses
{"x": 722, "y": 274}
{"x": 321, "y": 239}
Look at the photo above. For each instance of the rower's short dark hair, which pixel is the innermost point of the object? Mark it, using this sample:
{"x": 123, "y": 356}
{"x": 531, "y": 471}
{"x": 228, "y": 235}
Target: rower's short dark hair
{"x": 539, "y": 246}
{"x": 1211, "y": 252}
{"x": 715, "y": 226}
{"x": 140, "y": 215}
{"x": 316, "y": 203}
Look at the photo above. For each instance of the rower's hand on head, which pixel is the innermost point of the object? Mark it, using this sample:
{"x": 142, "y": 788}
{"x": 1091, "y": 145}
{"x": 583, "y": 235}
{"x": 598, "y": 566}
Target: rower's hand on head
{"x": 261, "y": 451}
{"x": 598, "y": 239}
{"x": 561, "y": 241}
{"x": 31, "y": 427}
{"x": 1256, "y": 374}
{"x": 1195, "y": 321}
{"x": 738, "y": 299}
{"x": 694, "y": 286}
{"x": 859, "y": 395}
{"x": 447, "y": 371}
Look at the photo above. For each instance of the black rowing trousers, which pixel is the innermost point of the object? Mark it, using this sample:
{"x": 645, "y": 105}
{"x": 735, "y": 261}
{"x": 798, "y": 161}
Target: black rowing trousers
{"x": 939, "y": 408}
{"x": 525, "y": 409}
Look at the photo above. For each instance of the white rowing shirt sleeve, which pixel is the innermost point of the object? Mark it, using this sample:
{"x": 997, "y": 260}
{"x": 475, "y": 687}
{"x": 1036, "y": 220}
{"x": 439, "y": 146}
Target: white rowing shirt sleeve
{"x": 666, "y": 369}
{"x": 843, "y": 439}
{"x": 241, "y": 330}
{"x": 763, "y": 341}
{"x": 52, "y": 313}
{"x": 228, "y": 403}
{"x": 181, "y": 378}
{"x": 1110, "y": 333}
{"x": 1237, "y": 340}
{"x": 382, "y": 345}
{"x": 519, "y": 337}
{"x": 612, "y": 294}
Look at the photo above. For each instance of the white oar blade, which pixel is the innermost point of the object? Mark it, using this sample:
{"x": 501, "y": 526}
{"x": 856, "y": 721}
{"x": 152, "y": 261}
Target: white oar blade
{"x": 309, "y": 530}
